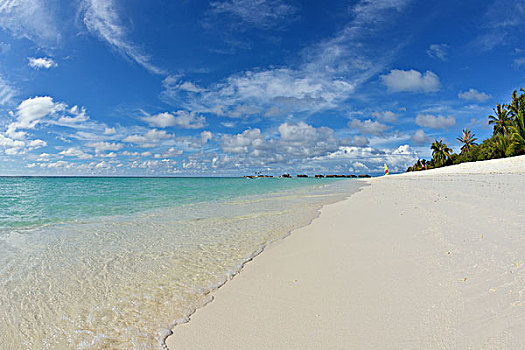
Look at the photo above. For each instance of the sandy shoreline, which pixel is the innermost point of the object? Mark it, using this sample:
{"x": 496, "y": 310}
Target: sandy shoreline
{"x": 424, "y": 260}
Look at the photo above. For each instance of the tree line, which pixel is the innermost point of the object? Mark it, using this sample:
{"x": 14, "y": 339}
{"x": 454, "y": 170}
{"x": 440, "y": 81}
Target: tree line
{"x": 507, "y": 140}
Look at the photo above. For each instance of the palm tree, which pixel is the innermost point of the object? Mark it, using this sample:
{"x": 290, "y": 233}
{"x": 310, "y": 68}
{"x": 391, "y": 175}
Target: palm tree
{"x": 517, "y": 104}
{"x": 468, "y": 140}
{"x": 501, "y": 119}
{"x": 504, "y": 145}
{"x": 440, "y": 152}
{"x": 517, "y": 133}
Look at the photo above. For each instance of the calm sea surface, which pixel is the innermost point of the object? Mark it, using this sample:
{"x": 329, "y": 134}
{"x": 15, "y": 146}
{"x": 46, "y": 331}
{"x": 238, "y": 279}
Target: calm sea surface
{"x": 114, "y": 263}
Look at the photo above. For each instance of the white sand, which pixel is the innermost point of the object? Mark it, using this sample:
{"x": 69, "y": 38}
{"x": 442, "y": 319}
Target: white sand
{"x": 427, "y": 260}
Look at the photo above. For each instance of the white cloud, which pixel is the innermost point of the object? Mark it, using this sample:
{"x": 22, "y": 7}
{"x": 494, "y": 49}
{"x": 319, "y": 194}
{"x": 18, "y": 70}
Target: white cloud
{"x": 76, "y": 152}
{"x": 182, "y": 119}
{"x": 110, "y": 131}
{"x": 14, "y": 151}
{"x": 240, "y": 143}
{"x": 189, "y": 86}
{"x": 243, "y": 94}
{"x": 419, "y": 138}
{"x": 149, "y": 138}
{"x": 4, "y": 48}
{"x": 438, "y": 51}
{"x": 298, "y": 141}
{"x": 435, "y": 122}
{"x": 6, "y": 92}
{"x": 77, "y": 115}
{"x": 474, "y": 95}
{"x": 170, "y": 153}
{"x": 259, "y": 14}
{"x": 326, "y": 75}
{"x": 369, "y": 127}
{"x": 374, "y": 11}
{"x": 101, "y": 18}
{"x": 519, "y": 61}
{"x": 30, "y": 19}
{"x": 359, "y": 141}
{"x": 37, "y": 143}
{"x": 58, "y": 164}
{"x": 360, "y": 159}
{"x": 359, "y": 166}
{"x": 502, "y": 23}
{"x": 385, "y": 116}
{"x": 41, "y": 62}
{"x": 206, "y": 136}
{"x": 10, "y": 143}
{"x": 130, "y": 154}
{"x": 410, "y": 81}
{"x": 30, "y": 112}
{"x": 102, "y": 146}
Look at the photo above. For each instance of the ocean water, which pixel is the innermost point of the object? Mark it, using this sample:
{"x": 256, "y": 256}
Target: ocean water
{"x": 114, "y": 263}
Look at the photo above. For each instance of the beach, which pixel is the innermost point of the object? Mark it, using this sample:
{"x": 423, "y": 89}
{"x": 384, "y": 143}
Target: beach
{"x": 424, "y": 260}
{"x": 110, "y": 263}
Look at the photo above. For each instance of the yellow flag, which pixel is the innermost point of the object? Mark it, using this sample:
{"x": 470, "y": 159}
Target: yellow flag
{"x": 386, "y": 170}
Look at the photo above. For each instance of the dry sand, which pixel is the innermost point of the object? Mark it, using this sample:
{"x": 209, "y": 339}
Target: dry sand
{"x": 428, "y": 260}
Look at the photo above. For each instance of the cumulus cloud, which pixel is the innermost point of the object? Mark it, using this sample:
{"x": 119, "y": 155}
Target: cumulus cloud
{"x": 76, "y": 115}
{"x": 110, "y": 131}
{"x": 369, "y": 127}
{"x": 37, "y": 143}
{"x": 473, "y": 95}
{"x": 43, "y": 110}
{"x": 410, "y": 81}
{"x": 206, "y": 136}
{"x": 170, "y": 153}
{"x": 181, "y": 119}
{"x": 359, "y": 159}
{"x": 102, "y": 146}
{"x": 10, "y": 143}
{"x": 435, "y": 122}
{"x": 438, "y": 51}
{"x": 295, "y": 141}
{"x": 76, "y": 152}
{"x": 240, "y": 143}
{"x": 148, "y": 139}
{"x": 356, "y": 140}
{"x": 41, "y": 63}
{"x": 385, "y": 116}
{"x": 30, "y": 112}
{"x": 420, "y": 138}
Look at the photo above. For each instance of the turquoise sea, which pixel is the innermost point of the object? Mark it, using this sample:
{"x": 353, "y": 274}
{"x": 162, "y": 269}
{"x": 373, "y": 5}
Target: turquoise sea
{"x": 114, "y": 263}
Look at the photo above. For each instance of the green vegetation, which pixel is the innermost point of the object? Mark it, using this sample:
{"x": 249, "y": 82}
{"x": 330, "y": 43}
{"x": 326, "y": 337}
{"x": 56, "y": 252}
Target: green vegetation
{"x": 507, "y": 140}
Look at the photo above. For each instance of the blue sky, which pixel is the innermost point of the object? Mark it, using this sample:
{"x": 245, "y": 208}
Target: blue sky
{"x": 229, "y": 87}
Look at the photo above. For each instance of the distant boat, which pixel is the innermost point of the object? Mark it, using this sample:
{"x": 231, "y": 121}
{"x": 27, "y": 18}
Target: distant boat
{"x": 302, "y": 175}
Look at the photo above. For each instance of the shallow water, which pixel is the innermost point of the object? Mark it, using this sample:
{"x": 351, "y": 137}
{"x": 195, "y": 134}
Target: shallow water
{"x": 114, "y": 263}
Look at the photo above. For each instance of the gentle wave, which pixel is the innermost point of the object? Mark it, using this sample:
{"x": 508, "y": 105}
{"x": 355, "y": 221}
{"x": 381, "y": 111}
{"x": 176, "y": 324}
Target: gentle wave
{"x": 122, "y": 281}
